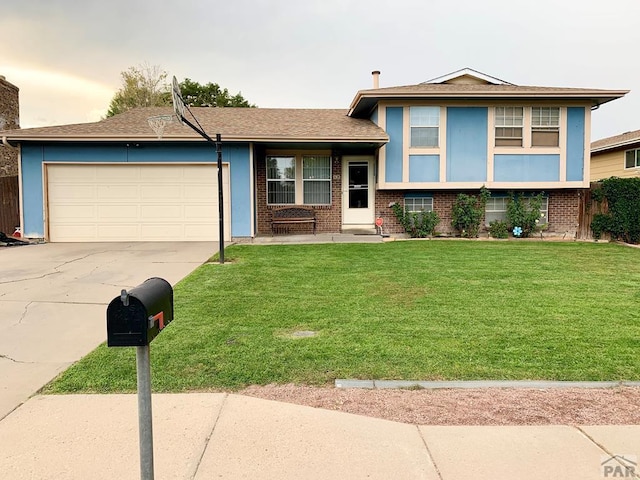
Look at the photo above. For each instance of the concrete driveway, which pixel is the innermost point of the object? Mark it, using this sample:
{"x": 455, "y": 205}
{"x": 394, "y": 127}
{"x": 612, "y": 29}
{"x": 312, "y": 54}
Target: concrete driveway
{"x": 53, "y": 300}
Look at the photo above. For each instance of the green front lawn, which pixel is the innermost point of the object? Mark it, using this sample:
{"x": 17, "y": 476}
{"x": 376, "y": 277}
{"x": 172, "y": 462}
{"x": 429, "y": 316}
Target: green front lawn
{"x": 415, "y": 310}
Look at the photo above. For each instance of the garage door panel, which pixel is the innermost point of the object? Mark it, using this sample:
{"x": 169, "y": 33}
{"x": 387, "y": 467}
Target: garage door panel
{"x": 200, "y": 174}
{"x": 118, "y": 193}
{"x": 74, "y": 212}
{"x": 119, "y": 213}
{"x": 160, "y": 232}
{"x": 66, "y": 191}
{"x": 134, "y": 202}
{"x": 160, "y": 174}
{"x": 200, "y": 212}
{"x": 77, "y": 233}
{"x": 192, "y": 232}
{"x": 162, "y": 212}
{"x": 119, "y": 231}
{"x": 157, "y": 193}
{"x": 70, "y": 174}
{"x": 107, "y": 174}
{"x": 201, "y": 192}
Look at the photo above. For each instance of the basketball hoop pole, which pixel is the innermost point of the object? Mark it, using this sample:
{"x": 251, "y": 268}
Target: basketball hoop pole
{"x": 218, "y": 144}
{"x": 179, "y": 109}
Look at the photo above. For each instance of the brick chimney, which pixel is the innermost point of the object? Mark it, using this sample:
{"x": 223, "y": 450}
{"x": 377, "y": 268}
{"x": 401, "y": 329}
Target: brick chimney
{"x": 9, "y": 119}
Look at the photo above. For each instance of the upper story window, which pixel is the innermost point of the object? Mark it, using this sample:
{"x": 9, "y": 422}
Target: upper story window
{"x": 425, "y": 126}
{"x": 632, "y": 158}
{"x": 545, "y": 126}
{"x": 301, "y": 180}
{"x": 509, "y": 123}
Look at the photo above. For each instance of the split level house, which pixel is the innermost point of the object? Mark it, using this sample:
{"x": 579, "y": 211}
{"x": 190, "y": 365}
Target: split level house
{"x": 418, "y": 145}
{"x": 617, "y": 156}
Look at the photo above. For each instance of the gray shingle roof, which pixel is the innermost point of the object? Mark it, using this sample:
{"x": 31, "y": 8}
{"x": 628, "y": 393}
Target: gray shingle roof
{"x": 234, "y": 124}
{"x": 617, "y": 141}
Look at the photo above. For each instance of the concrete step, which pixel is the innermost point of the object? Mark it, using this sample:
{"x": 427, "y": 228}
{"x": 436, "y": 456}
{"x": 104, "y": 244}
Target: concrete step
{"x": 360, "y": 230}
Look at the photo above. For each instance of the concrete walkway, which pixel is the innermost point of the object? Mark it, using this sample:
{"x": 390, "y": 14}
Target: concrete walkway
{"x": 203, "y": 436}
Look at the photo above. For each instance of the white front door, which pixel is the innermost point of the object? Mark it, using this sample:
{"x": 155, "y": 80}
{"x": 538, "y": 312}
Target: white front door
{"x": 358, "y": 200}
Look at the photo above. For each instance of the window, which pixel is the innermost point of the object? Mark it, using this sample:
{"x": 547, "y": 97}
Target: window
{"x": 545, "y": 126}
{"x": 316, "y": 179}
{"x": 425, "y": 126}
{"x": 299, "y": 179}
{"x": 509, "y": 123}
{"x": 281, "y": 180}
{"x": 632, "y": 159}
{"x": 418, "y": 204}
{"x": 496, "y": 209}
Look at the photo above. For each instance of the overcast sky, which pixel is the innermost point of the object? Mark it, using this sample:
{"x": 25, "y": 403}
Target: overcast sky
{"x": 66, "y": 56}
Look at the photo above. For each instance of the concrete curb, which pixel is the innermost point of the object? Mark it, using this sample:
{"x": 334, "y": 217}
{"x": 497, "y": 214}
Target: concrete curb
{"x": 432, "y": 385}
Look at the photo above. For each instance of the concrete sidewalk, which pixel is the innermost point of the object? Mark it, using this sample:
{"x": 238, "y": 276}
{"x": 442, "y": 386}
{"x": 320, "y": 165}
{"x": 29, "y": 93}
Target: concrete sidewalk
{"x": 216, "y": 435}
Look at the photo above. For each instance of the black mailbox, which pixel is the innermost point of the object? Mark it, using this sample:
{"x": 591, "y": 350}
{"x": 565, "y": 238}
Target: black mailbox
{"x": 137, "y": 316}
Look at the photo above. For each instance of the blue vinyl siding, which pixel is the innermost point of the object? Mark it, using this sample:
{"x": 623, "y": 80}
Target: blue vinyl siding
{"x": 467, "y": 133}
{"x": 526, "y": 168}
{"x": 424, "y": 168}
{"x": 374, "y": 116}
{"x": 237, "y": 156}
{"x": 394, "y": 149}
{"x": 575, "y": 143}
{"x": 32, "y": 191}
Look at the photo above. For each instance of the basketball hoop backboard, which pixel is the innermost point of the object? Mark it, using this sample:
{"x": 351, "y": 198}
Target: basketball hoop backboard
{"x": 178, "y": 103}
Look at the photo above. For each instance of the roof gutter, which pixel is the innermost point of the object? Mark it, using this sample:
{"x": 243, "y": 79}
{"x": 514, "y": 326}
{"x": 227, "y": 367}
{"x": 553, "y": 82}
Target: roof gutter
{"x": 615, "y": 146}
{"x": 169, "y": 138}
{"x": 595, "y": 97}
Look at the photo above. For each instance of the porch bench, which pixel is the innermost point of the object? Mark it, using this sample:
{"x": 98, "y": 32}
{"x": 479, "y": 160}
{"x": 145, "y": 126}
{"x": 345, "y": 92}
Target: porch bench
{"x": 292, "y": 215}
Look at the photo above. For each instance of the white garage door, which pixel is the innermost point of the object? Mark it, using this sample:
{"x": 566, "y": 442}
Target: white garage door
{"x": 135, "y": 202}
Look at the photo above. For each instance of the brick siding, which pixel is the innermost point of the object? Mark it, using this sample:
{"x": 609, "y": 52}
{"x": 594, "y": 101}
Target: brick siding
{"x": 329, "y": 217}
{"x": 563, "y": 210}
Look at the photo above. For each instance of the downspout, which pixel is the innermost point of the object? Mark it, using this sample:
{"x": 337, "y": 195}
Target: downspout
{"x": 6, "y": 143}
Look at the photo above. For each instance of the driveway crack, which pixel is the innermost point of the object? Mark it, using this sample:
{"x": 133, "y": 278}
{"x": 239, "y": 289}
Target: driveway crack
{"x": 12, "y": 359}
{"x": 56, "y": 269}
{"x": 24, "y": 313}
{"x": 29, "y": 278}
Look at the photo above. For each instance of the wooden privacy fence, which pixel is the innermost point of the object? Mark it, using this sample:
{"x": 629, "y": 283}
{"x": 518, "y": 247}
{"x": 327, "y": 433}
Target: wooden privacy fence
{"x": 586, "y": 210}
{"x": 9, "y": 204}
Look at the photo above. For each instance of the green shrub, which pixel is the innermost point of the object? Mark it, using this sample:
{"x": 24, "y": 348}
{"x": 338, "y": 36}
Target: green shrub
{"x": 468, "y": 211}
{"x": 622, "y": 221}
{"x": 524, "y": 212}
{"x": 498, "y": 229}
{"x": 601, "y": 224}
{"x": 416, "y": 224}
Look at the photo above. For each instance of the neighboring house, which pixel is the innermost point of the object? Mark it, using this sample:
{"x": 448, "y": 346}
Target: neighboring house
{"x": 419, "y": 145}
{"x": 617, "y": 156}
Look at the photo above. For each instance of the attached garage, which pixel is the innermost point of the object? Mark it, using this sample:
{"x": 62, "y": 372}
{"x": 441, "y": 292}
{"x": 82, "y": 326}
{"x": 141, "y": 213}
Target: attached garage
{"x": 94, "y": 202}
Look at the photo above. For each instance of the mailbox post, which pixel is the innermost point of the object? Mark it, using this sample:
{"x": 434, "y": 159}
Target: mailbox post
{"x": 134, "y": 319}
